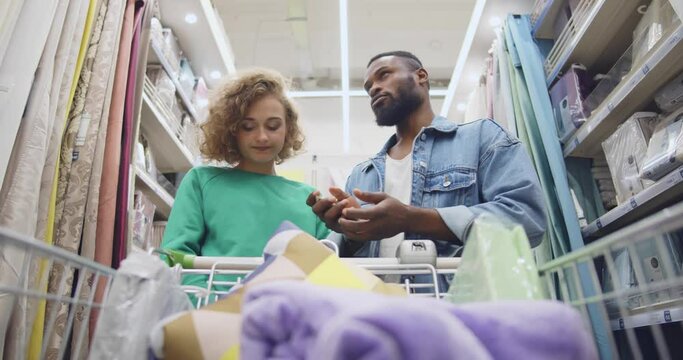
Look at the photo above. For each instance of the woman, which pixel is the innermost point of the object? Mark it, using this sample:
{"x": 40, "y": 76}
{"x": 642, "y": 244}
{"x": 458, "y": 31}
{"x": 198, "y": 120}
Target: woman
{"x": 233, "y": 211}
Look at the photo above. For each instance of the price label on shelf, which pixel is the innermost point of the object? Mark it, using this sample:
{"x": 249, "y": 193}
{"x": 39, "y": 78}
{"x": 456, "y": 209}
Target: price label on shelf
{"x": 646, "y": 69}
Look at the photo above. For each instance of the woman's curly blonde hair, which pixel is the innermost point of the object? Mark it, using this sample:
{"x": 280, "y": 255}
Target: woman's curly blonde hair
{"x": 229, "y": 105}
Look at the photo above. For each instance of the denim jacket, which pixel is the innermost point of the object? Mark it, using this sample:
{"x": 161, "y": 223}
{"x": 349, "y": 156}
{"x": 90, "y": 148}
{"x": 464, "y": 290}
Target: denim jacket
{"x": 463, "y": 171}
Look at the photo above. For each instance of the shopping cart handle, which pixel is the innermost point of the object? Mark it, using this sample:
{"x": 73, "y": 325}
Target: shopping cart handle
{"x": 417, "y": 252}
{"x": 174, "y": 257}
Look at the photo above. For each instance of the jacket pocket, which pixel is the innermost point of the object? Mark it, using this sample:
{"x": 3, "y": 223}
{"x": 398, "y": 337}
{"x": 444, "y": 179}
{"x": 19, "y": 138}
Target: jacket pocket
{"x": 450, "y": 188}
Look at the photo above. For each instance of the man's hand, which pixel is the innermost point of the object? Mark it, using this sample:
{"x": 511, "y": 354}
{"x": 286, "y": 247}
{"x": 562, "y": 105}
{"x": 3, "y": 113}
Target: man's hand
{"x": 387, "y": 218}
{"x": 329, "y": 210}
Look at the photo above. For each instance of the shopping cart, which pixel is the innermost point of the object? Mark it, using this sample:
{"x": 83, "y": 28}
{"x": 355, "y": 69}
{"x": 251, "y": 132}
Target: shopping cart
{"x": 47, "y": 294}
{"x": 629, "y": 287}
{"x": 420, "y": 279}
{"x": 633, "y": 310}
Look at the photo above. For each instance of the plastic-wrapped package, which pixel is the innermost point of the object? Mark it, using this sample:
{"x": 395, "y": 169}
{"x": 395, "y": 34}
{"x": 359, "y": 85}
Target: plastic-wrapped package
{"x": 165, "y": 88}
{"x": 171, "y": 51}
{"x": 497, "y": 264}
{"x": 190, "y": 135}
{"x": 158, "y": 228}
{"x": 665, "y": 150}
{"x": 651, "y": 261}
{"x": 200, "y": 99}
{"x": 156, "y": 32}
{"x": 139, "y": 155}
{"x": 608, "y": 193}
{"x": 567, "y": 97}
{"x": 143, "y": 210}
{"x": 150, "y": 164}
{"x": 658, "y": 17}
{"x": 166, "y": 184}
{"x": 186, "y": 77}
{"x": 144, "y": 291}
{"x": 177, "y": 119}
{"x": 670, "y": 97}
{"x": 608, "y": 82}
{"x": 625, "y": 151}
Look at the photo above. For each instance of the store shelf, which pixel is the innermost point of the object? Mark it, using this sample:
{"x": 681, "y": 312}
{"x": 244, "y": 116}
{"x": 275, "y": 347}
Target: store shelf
{"x": 597, "y": 28}
{"x": 170, "y": 154}
{"x": 662, "y": 64}
{"x": 543, "y": 25}
{"x": 664, "y": 192}
{"x": 155, "y": 57}
{"x": 157, "y": 195}
{"x": 204, "y": 42}
{"x": 663, "y": 316}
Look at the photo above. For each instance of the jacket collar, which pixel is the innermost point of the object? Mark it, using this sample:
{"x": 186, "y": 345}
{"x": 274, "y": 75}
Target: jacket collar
{"x": 439, "y": 124}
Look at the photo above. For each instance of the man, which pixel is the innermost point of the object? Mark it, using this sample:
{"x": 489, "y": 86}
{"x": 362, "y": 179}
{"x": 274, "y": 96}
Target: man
{"x": 433, "y": 177}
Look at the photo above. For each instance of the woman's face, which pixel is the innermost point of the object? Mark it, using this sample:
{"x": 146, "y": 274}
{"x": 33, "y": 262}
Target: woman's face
{"x": 262, "y": 132}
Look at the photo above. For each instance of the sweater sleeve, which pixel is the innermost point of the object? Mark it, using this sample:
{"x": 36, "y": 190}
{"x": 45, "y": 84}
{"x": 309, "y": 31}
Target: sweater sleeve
{"x": 185, "y": 230}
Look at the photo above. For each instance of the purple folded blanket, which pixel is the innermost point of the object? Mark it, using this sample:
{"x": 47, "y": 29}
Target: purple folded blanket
{"x": 295, "y": 320}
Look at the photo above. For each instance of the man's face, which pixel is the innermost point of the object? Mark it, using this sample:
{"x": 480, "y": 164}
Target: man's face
{"x": 393, "y": 90}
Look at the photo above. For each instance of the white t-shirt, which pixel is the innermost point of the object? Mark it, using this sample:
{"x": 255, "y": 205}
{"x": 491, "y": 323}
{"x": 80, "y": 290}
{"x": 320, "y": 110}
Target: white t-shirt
{"x": 398, "y": 183}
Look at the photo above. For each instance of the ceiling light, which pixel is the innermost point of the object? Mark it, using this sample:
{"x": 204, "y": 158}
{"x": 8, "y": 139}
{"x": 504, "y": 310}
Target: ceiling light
{"x": 216, "y": 74}
{"x": 461, "y": 107}
{"x": 495, "y": 21}
{"x": 190, "y": 18}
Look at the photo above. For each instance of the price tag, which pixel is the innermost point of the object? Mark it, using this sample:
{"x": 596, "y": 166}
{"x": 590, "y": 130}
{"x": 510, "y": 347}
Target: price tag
{"x": 634, "y": 204}
{"x": 599, "y": 223}
{"x": 646, "y": 69}
{"x": 621, "y": 324}
{"x": 667, "y": 316}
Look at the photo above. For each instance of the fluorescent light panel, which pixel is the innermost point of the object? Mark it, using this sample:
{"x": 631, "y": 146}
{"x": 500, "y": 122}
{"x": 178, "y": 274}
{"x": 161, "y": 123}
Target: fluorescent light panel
{"x": 344, "y": 43}
{"x": 220, "y": 36}
{"x": 462, "y": 56}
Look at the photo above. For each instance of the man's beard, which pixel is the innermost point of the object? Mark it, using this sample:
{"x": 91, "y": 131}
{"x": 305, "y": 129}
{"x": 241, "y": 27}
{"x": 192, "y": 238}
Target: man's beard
{"x": 396, "y": 109}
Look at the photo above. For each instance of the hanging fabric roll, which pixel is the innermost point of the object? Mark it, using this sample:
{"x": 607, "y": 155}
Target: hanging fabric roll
{"x": 10, "y": 10}
{"x": 532, "y": 74}
{"x": 24, "y": 62}
{"x": 112, "y": 155}
{"x": 79, "y": 177}
{"x": 18, "y": 69}
{"x": 133, "y": 100}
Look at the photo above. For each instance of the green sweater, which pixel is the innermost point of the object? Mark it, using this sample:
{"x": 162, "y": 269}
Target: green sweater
{"x": 230, "y": 212}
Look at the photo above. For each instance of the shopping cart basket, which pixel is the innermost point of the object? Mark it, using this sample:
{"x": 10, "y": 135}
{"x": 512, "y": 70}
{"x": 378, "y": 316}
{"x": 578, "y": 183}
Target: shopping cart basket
{"x": 62, "y": 311}
{"x": 628, "y": 286}
{"x": 419, "y": 278}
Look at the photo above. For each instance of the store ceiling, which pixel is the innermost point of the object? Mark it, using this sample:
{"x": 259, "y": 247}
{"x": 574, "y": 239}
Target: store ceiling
{"x": 301, "y": 38}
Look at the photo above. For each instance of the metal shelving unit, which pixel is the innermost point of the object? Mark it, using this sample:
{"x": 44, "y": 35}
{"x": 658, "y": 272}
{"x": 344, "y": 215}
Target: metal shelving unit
{"x": 656, "y": 317}
{"x": 155, "y": 57}
{"x": 545, "y": 11}
{"x": 579, "y": 43}
{"x": 157, "y": 194}
{"x": 632, "y": 94}
{"x": 170, "y": 154}
{"x": 664, "y": 192}
{"x": 598, "y": 33}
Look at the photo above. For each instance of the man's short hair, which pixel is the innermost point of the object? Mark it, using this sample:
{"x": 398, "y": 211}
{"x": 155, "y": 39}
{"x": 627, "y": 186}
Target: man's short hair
{"x": 413, "y": 61}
